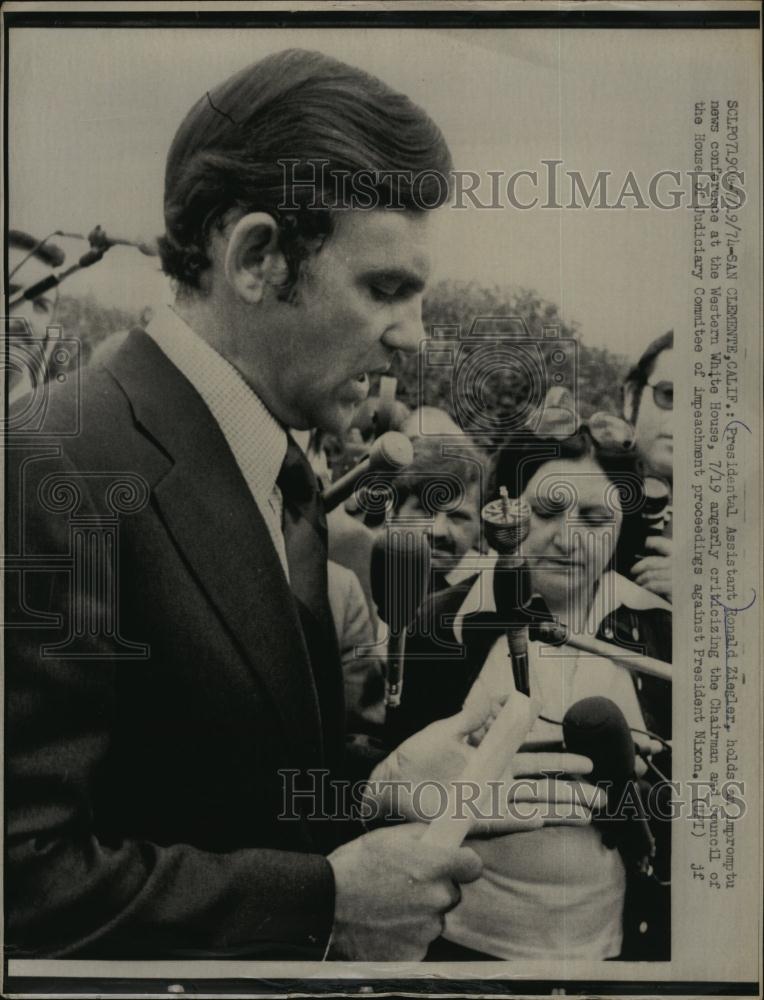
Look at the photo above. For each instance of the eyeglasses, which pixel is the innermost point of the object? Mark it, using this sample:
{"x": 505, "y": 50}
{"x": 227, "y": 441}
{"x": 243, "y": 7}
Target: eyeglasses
{"x": 663, "y": 394}
{"x": 606, "y": 429}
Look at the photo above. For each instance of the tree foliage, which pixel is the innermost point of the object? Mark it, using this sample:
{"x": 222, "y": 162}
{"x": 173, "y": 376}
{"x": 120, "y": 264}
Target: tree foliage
{"x": 91, "y": 322}
{"x": 510, "y": 343}
{"x": 479, "y": 318}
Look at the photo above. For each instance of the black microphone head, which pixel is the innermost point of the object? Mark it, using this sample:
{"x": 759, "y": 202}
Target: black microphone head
{"x": 400, "y": 574}
{"x": 596, "y": 728}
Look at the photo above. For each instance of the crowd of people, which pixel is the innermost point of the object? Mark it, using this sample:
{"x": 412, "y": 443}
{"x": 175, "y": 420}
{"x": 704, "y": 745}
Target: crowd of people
{"x": 151, "y": 722}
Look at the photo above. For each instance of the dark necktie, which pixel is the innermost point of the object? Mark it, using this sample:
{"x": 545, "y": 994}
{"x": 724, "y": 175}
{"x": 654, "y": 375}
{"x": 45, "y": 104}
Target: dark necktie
{"x": 305, "y": 536}
{"x": 305, "y": 540}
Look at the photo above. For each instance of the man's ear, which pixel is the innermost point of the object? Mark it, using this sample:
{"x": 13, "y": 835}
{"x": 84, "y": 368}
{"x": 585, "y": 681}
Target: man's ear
{"x": 253, "y": 259}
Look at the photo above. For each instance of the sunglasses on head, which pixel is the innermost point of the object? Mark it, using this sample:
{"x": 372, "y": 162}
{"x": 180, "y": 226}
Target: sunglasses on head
{"x": 606, "y": 429}
{"x": 663, "y": 394}
{"x": 609, "y": 432}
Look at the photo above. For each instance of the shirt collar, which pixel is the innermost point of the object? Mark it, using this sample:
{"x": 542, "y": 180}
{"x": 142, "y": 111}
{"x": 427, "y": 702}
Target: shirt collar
{"x": 614, "y": 591}
{"x": 258, "y": 442}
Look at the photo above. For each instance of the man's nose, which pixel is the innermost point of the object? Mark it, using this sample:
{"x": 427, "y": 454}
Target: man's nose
{"x": 407, "y": 333}
{"x": 441, "y": 526}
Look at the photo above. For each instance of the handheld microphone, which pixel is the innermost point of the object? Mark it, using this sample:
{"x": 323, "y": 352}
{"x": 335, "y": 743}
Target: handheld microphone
{"x": 390, "y": 413}
{"x": 392, "y": 452}
{"x": 649, "y": 522}
{"x": 507, "y": 523}
{"x": 400, "y": 578}
{"x": 654, "y": 511}
{"x": 511, "y": 592}
{"x": 596, "y": 728}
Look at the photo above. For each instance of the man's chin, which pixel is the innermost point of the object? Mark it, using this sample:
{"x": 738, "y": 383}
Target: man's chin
{"x": 336, "y": 418}
{"x": 443, "y": 562}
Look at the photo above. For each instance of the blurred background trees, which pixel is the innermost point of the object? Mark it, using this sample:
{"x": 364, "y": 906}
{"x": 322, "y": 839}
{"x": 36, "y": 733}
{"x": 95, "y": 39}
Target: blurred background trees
{"x": 91, "y": 322}
{"x": 502, "y": 311}
{"x": 507, "y": 315}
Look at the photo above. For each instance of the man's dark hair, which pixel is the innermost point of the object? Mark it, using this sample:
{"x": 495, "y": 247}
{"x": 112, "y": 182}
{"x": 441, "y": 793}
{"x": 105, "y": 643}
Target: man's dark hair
{"x": 431, "y": 475}
{"x": 48, "y": 253}
{"x": 636, "y": 380}
{"x": 302, "y": 106}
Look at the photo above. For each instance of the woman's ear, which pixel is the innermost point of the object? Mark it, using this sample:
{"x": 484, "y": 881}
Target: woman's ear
{"x": 253, "y": 259}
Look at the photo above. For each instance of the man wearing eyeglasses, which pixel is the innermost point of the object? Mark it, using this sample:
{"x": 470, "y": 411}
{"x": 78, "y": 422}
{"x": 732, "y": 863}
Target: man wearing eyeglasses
{"x": 649, "y": 407}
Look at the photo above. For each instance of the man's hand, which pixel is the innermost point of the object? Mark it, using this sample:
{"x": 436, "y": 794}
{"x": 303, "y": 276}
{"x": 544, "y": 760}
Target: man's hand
{"x": 654, "y": 572}
{"x": 392, "y": 893}
{"x": 414, "y": 780}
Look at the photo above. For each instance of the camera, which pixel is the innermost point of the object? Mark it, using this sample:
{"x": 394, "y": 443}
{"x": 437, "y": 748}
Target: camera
{"x": 495, "y": 379}
{"x": 36, "y": 365}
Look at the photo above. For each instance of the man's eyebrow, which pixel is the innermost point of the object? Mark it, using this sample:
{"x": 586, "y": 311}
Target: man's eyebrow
{"x": 395, "y": 276}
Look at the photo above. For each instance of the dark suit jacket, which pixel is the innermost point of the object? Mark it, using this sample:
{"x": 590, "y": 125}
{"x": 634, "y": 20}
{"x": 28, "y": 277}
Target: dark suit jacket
{"x": 143, "y": 788}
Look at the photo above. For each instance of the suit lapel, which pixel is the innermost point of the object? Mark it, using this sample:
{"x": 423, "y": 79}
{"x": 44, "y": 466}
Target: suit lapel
{"x": 207, "y": 508}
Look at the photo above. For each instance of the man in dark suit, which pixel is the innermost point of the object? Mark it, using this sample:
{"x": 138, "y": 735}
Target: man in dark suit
{"x": 172, "y": 673}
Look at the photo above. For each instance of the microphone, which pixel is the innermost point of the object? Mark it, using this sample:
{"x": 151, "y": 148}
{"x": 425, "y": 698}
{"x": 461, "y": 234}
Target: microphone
{"x": 100, "y": 240}
{"x": 89, "y": 258}
{"x": 556, "y": 633}
{"x": 649, "y": 522}
{"x": 654, "y": 511}
{"x": 511, "y": 594}
{"x": 507, "y": 523}
{"x": 392, "y": 452}
{"x": 400, "y": 579}
{"x": 391, "y": 413}
{"x": 596, "y": 728}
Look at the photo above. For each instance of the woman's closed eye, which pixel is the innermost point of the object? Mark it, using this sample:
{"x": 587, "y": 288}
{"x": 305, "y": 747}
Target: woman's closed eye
{"x": 598, "y": 515}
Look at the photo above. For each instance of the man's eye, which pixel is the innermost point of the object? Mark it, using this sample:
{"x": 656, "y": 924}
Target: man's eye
{"x": 384, "y": 293}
